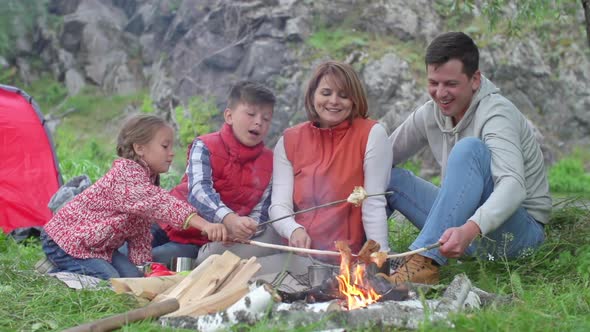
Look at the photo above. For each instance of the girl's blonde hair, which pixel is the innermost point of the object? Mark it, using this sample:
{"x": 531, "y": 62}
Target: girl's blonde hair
{"x": 139, "y": 129}
{"x": 346, "y": 78}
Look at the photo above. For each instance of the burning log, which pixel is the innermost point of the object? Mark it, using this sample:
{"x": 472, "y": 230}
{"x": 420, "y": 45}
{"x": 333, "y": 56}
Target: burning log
{"x": 326, "y": 291}
{"x": 367, "y": 250}
{"x": 345, "y": 255}
{"x": 358, "y": 288}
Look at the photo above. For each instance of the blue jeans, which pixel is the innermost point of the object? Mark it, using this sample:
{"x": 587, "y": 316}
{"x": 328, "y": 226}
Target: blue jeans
{"x": 163, "y": 250}
{"x": 96, "y": 267}
{"x": 466, "y": 186}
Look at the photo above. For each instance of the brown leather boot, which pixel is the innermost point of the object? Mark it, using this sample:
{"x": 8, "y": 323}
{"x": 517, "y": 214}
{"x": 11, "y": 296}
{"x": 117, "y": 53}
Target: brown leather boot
{"x": 417, "y": 269}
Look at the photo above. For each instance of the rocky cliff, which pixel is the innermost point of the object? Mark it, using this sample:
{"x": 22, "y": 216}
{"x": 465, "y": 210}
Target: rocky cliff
{"x": 185, "y": 48}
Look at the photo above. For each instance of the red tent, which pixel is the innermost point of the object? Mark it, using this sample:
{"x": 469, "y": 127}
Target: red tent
{"x": 29, "y": 173}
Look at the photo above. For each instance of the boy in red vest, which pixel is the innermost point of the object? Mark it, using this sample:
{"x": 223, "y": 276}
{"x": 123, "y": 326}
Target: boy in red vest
{"x": 228, "y": 180}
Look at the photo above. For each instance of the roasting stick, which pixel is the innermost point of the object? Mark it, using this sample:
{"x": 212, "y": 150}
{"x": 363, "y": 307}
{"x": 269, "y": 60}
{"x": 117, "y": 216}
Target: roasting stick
{"x": 326, "y": 252}
{"x": 417, "y": 251}
{"x": 287, "y": 248}
{"x": 357, "y": 196}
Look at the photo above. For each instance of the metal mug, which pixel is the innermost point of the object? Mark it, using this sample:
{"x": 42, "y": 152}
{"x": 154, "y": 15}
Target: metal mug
{"x": 317, "y": 274}
{"x": 179, "y": 264}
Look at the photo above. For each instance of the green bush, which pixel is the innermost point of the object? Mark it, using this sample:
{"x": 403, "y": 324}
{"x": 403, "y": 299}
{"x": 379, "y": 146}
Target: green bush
{"x": 195, "y": 119}
{"x": 90, "y": 159}
{"x": 568, "y": 176}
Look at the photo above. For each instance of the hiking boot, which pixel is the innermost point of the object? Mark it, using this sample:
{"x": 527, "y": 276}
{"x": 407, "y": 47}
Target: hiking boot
{"x": 417, "y": 269}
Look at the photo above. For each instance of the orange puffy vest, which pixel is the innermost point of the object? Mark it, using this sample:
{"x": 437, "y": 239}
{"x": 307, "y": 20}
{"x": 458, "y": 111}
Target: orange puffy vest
{"x": 327, "y": 165}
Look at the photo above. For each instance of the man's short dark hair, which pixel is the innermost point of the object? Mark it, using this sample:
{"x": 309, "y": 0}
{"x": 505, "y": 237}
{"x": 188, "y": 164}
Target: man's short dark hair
{"x": 250, "y": 92}
{"x": 453, "y": 45}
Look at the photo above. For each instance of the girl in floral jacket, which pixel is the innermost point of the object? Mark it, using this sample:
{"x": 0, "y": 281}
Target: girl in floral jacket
{"x": 84, "y": 236}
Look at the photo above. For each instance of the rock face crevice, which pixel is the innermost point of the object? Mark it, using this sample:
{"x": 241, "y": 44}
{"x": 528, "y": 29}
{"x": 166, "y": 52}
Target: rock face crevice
{"x": 183, "y": 48}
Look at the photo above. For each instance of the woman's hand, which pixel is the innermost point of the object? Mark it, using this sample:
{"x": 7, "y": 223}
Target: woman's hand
{"x": 300, "y": 239}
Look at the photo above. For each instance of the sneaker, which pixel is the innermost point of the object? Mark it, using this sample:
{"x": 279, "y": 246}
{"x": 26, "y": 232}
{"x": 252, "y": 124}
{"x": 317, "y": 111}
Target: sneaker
{"x": 44, "y": 265}
{"x": 416, "y": 269}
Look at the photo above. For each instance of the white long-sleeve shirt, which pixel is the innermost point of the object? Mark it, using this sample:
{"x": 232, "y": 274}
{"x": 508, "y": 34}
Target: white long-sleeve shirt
{"x": 377, "y": 170}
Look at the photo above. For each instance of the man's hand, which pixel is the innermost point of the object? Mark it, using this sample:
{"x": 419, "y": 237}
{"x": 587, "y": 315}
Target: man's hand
{"x": 300, "y": 239}
{"x": 215, "y": 232}
{"x": 455, "y": 240}
{"x": 240, "y": 227}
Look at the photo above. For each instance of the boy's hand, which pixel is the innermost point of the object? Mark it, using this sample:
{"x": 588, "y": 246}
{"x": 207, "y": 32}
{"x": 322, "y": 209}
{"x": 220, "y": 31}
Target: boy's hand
{"x": 240, "y": 227}
{"x": 215, "y": 232}
{"x": 300, "y": 239}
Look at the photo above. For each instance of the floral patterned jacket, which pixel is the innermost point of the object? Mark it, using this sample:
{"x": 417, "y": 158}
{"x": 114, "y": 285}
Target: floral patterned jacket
{"x": 120, "y": 207}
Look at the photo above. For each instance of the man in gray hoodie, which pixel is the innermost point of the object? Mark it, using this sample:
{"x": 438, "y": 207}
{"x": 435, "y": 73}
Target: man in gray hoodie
{"x": 494, "y": 198}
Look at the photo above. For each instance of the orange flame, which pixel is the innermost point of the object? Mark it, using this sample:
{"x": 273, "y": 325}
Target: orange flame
{"x": 358, "y": 294}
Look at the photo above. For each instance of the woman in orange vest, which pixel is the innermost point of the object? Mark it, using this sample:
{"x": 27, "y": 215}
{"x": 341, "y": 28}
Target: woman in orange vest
{"x": 324, "y": 158}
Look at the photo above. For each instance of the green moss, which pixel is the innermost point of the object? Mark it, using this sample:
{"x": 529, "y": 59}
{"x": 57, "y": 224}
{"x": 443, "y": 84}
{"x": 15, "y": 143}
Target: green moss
{"x": 337, "y": 43}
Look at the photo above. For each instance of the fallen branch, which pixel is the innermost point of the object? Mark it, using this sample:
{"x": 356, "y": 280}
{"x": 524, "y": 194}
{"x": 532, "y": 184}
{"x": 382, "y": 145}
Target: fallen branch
{"x": 152, "y": 310}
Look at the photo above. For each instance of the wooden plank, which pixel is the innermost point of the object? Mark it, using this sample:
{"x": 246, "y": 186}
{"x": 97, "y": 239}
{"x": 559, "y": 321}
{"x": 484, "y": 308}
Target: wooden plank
{"x": 174, "y": 291}
{"x": 210, "y": 279}
{"x": 242, "y": 273}
{"x": 147, "y": 288}
{"x": 212, "y": 303}
{"x": 236, "y": 283}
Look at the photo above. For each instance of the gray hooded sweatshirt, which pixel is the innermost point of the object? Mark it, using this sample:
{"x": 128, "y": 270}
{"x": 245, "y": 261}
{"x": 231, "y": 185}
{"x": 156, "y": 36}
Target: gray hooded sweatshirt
{"x": 517, "y": 164}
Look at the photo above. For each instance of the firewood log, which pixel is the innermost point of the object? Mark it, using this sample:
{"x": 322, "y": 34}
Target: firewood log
{"x": 248, "y": 310}
{"x": 146, "y": 288}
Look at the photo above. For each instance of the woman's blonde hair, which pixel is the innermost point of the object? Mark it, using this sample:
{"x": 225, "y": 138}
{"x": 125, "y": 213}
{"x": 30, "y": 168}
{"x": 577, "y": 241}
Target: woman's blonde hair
{"x": 346, "y": 79}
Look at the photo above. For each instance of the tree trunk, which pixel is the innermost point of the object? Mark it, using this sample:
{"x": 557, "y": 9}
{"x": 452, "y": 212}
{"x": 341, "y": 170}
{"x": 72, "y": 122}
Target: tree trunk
{"x": 586, "y": 5}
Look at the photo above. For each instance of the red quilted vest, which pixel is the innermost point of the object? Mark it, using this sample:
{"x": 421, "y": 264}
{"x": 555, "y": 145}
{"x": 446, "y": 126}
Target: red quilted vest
{"x": 240, "y": 176}
{"x": 327, "y": 165}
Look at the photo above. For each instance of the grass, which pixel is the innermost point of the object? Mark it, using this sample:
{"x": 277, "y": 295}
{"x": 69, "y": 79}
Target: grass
{"x": 550, "y": 287}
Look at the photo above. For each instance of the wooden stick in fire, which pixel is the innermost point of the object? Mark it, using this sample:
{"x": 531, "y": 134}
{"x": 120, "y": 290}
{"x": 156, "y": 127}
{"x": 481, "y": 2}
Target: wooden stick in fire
{"x": 357, "y": 196}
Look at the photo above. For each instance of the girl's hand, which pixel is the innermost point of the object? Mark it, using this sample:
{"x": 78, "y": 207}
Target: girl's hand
{"x": 215, "y": 232}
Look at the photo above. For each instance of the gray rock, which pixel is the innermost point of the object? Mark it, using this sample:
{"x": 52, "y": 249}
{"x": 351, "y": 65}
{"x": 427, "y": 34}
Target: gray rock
{"x": 62, "y": 7}
{"x": 391, "y": 88}
{"x": 181, "y": 49}
{"x": 74, "y": 82}
{"x": 297, "y": 29}
{"x": 3, "y": 63}
{"x": 262, "y": 59}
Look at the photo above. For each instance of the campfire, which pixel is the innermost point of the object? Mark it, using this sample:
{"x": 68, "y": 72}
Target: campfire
{"x": 358, "y": 292}
{"x": 357, "y": 285}
{"x": 217, "y": 295}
